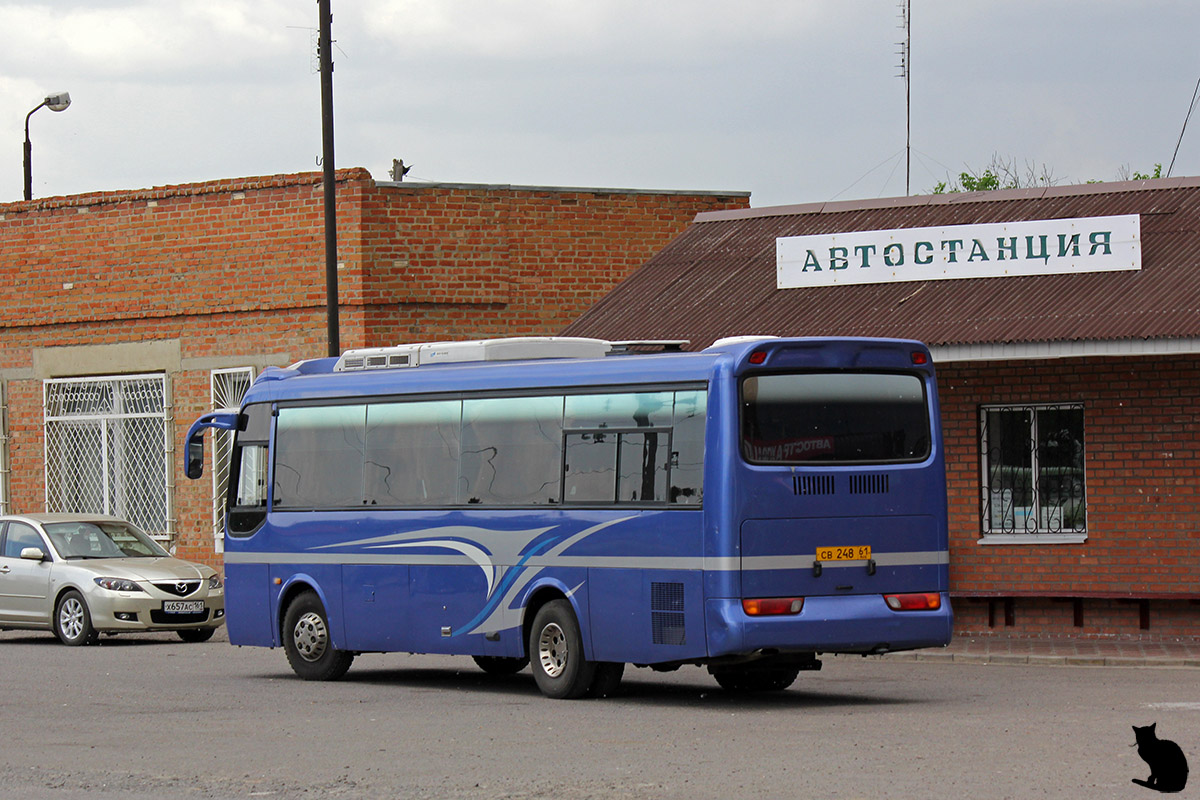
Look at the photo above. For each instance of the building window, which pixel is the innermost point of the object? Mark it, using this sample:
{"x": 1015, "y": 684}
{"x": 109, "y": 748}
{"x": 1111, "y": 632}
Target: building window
{"x": 227, "y": 387}
{"x": 1033, "y": 473}
{"x": 108, "y": 449}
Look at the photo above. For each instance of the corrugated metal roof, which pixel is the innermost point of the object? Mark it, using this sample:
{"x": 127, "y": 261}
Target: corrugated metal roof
{"x": 718, "y": 278}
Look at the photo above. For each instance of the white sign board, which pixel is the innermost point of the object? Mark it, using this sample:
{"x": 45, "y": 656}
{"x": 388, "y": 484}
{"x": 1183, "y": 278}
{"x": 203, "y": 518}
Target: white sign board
{"x": 992, "y": 250}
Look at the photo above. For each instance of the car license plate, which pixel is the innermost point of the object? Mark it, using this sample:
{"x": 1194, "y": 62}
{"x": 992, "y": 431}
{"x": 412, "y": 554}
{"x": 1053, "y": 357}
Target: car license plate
{"x": 183, "y": 606}
{"x": 860, "y": 552}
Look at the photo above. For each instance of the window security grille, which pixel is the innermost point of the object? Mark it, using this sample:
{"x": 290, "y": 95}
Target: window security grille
{"x": 1033, "y": 469}
{"x": 108, "y": 449}
{"x": 227, "y": 388}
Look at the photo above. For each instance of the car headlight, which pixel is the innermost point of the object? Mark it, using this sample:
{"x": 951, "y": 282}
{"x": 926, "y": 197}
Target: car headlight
{"x": 118, "y": 585}
{"x": 214, "y": 582}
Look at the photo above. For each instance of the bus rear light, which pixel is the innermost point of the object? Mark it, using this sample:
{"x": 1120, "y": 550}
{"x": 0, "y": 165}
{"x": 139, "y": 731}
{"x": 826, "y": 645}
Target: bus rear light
{"x": 758, "y": 357}
{"x": 922, "y": 601}
{"x": 919, "y": 358}
{"x": 772, "y": 606}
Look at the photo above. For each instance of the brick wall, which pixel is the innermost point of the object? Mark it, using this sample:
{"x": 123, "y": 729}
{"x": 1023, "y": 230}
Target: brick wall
{"x": 232, "y": 273}
{"x": 1142, "y": 474}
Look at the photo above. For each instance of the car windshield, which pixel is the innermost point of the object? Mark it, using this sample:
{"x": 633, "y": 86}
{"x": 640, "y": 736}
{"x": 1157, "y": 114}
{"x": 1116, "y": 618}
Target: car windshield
{"x": 101, "y": 539}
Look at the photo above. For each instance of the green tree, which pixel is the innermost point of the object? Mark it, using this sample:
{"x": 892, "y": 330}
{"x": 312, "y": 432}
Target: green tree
{"x": 1141, "y": 176}
{"x": 1001, "y": 173}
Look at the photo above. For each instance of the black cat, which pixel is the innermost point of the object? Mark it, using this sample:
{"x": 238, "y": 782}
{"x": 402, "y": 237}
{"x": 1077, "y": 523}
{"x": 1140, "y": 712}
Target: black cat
{"x": 1168, "y": 767}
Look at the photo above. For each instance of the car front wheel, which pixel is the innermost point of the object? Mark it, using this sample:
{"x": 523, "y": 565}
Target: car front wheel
{"x": 196, "y": 634}
{"x": 72, "y": 621}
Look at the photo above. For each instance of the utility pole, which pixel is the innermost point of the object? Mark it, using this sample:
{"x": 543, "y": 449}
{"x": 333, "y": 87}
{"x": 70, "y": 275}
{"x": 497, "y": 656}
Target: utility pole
{"x": 329, "y": 180}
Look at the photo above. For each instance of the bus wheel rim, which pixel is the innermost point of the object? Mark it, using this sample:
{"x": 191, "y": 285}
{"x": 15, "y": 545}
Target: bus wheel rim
{"x": 310, "y": 636}
{"x": 552, "y": 650}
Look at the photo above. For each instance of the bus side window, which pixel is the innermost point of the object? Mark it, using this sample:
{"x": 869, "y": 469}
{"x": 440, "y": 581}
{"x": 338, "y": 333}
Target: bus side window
{"x": 252, "y": 476}
{"x": 248, "y": 484}
{"x": 511, "y": 451}
{"x": 687, "y": 446}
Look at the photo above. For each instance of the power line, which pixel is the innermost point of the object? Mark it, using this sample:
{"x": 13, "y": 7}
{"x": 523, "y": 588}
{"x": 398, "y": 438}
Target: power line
{"x": 1191, "y": 108}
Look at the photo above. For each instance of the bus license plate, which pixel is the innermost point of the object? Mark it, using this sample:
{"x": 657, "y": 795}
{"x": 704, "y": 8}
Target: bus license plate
{"x": 853, "y": 553}
{"x": 183, "y": 606}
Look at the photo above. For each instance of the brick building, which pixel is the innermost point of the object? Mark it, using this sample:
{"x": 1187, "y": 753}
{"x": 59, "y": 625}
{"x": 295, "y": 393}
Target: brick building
{"x": 1065, "y": 325}
{"x": 129, "y": 313}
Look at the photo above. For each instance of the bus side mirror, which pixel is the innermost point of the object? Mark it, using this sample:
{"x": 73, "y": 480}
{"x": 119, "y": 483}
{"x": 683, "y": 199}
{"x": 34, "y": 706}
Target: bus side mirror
{"x": 194, "y": 453}
{"x": 193, "y": 447}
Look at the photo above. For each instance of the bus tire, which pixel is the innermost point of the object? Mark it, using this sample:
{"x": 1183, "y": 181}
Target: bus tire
{"x": 73, "y": 621}
{"x": 608, "y": 678}
{"x": 196, "y": 635}
{"x": 556, "y": 653}
{"x": 771, "y": 679}
{"x": 500, "y": 665}
{"x": 307, "y": 641}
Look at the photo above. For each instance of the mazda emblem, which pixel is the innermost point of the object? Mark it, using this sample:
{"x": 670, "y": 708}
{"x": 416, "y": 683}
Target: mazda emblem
{"x": 181, "y": 587}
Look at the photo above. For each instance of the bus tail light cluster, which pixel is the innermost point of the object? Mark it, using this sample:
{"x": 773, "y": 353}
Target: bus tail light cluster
{"x": 918, "y": 601}
{"x": 772, "y": 606}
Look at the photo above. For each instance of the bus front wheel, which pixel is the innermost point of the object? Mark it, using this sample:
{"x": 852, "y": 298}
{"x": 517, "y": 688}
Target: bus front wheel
{"x": 556, "y": 653}
{"x": 307, "y": 642}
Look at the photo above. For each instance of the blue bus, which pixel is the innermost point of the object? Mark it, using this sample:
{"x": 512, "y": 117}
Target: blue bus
{"x": 579, "y": 505}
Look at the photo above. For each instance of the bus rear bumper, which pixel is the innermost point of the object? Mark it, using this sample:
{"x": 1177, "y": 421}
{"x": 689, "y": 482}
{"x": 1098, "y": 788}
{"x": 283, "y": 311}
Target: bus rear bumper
{"x": 840, "y": 624}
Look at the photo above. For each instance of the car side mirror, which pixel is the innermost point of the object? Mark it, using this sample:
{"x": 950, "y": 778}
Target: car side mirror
{"x": 33, "y": 553}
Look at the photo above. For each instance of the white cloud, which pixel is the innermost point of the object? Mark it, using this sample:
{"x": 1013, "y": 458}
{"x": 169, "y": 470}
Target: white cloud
{"x": 145, "y": 41}
{"x": 795, "y": 100}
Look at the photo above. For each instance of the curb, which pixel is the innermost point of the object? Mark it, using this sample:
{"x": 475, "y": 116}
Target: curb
{"x": 1043, "y": 660}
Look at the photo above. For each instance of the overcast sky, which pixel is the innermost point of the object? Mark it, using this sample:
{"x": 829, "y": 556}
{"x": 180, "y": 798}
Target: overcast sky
{"x": 792, "y": 100}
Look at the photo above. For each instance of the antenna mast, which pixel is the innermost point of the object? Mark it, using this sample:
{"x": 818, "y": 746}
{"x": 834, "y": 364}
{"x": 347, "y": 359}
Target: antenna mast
{"x": 905, "y": 66}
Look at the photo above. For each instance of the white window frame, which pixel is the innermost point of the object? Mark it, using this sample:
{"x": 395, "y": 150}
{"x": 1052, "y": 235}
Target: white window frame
{"x": 1035, "y": 535}
{"x": 226, "y": 388}
{"x": 113, "y": 481}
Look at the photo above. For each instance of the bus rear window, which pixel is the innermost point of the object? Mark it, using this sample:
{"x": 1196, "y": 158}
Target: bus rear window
{"x": 834, "y": 417}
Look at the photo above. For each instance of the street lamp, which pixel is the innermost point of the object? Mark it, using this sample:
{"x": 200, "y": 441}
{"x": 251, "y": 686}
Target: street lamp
{"x": 55, "y": 102}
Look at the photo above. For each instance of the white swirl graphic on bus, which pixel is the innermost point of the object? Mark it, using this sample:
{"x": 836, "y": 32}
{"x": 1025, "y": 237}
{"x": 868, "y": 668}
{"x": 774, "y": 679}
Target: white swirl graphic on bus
{"x": 500, "y": 554}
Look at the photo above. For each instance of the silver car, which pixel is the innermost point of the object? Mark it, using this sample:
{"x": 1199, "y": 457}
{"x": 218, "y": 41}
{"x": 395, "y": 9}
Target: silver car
{"x": 82, "y": 575}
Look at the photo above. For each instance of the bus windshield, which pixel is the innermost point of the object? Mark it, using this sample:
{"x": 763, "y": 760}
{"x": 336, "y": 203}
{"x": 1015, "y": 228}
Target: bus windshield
{"x": 834, "y": 417}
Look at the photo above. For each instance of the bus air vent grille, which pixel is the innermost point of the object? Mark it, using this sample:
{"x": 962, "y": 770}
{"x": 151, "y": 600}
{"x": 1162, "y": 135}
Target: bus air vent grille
{"x": 869, "y": 484}
{"x": 666, "y": 613}
{"x": 812, "y": 484}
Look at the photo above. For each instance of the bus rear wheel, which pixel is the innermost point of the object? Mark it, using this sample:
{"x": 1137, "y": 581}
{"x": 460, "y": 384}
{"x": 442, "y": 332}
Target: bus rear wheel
{"x": 307, "y": 642}
{"x": 500, "y": 665}
{"x": 556, "y": 653}
{"x": 748, "y": 679}
{"x": 608, "y": 678}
